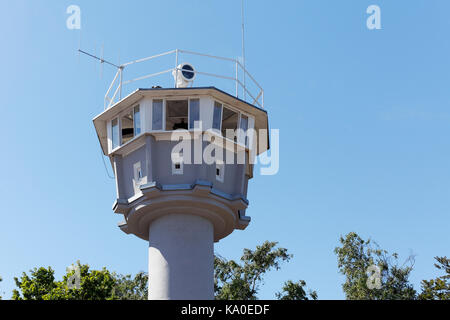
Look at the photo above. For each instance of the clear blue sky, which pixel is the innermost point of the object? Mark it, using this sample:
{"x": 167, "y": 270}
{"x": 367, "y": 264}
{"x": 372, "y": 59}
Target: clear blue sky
{"x": 364, "y": 119}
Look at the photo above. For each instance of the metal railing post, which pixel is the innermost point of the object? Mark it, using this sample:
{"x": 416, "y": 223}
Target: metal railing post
{"x": 119, "y": 77}
{"x": 237, "y": 85}
{"x": 120, "y": 84}
{"x": 176, "y": 67}
{"x": 262, "y": 98}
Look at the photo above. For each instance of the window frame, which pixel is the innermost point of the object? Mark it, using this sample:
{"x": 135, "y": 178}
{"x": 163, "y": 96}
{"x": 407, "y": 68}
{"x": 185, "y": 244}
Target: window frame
{"x": 221, "y": 176}
{"x": 137, "y": 168}
{"x": 246, "y": 139}
{"x": 238, "y": 112}
{"x": 179, "y": 171}
{"x": 163, "y": 115}
{"x": 221, "y": 116}
{"x": 117, "y": 118}
{"x": 189, "y": 113}
{"x": 120, "y": 116}
{"x": 134, "y": 120}
{"x": 165, "y": 110}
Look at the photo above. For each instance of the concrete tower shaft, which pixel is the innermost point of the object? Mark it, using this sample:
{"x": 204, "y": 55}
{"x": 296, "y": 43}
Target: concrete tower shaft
{"x": 181, "y": 258}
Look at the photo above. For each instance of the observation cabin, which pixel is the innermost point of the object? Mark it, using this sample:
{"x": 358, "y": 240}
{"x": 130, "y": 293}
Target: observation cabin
{"x": 173, "y": 189}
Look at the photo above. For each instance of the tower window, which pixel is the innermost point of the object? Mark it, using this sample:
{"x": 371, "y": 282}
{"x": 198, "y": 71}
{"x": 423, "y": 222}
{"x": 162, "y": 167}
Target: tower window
{"x": 127, "y": 127}
{"x": 176, "y": 114}
{"x": 217, "y": 116}
{"x": 137, "y": 172}
{"x": 229, "y": 121}
{"x": 115, "y": 133}
{"x": 220, "y": 172}
{"x": 137, "y": 177}
{"x": 137, "y": 120}
{"x": 157, "y": 115}
{"x": 177, "y": 165}
{"x": 244, "y": 127}
{"x": 194, "y": 112}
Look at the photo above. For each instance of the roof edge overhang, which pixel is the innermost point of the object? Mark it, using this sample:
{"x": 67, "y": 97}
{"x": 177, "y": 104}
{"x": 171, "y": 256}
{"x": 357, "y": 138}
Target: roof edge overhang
{"x": 100, "y": 121}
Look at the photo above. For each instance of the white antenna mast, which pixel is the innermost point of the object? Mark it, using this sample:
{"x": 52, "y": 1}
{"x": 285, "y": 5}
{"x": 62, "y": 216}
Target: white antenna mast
{"x": 101, "y": 64}
{"x": 243, "y": 46}
{"x": 100, "y": 59}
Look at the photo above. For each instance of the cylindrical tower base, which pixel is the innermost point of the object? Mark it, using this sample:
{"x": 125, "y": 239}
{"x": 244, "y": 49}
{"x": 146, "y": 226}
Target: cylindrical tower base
{"x": 181, "y": 258}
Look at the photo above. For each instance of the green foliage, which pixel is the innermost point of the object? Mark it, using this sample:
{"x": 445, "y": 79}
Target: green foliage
{"x": 234, "y": 281}
{"x": 354, "y": 258}
{"x": 128, "y": 288}
{"x": 296, "y": 291}
{"x": 37, "y": 286}
{"x": 93, "y": 285}
{"x": 241, "y": 280}
{"x": 439, "y": 288}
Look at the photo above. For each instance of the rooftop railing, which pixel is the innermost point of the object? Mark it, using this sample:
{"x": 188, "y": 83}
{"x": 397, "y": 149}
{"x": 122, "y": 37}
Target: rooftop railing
{"x": 115, "y": 90}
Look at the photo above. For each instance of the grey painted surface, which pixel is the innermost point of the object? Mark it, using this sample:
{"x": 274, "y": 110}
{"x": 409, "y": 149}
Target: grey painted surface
{"x": 226, "y": 212}
{"x": 128, "y": 172}
{"x": 156, "y": 163}
{"x": 181, "y": 258}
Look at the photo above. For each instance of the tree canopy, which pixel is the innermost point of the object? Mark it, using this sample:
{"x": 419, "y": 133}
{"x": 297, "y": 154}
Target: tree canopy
{"x": 370, "y": 273}
{"x": 41, "y": 285}
{"x": 439, "y": 288}
{"x": 296, "y": 291}
{"x": 232, "y": 280}
{"x": 241, "y": 281}
{"x": 357, "y": 256}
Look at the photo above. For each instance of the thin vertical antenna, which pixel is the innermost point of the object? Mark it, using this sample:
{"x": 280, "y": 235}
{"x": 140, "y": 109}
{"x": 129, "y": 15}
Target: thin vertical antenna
{"x": 95, "y": 54}
{"x": 243, "y": 46}
{"x": 79, "y": 47}
{"x": 101, "y": 61}
{"x": 176, "y": 67}
{"x": 121, "y": 78}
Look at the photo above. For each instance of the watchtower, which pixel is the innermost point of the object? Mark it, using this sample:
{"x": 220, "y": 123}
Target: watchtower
{"x": 170, "y": 150}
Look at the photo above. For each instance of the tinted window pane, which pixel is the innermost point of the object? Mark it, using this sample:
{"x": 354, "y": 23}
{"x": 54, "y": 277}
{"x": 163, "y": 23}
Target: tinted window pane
{"x": 194, "y": 112}
{"x": 176, "y": 114}
{"x": 157, "y": 115}
{"x": 229, "y": 121}
{"x": 217, "y": 117}
{"x": 244, "y": 123}
{"x": 137, "y": 121}
{"x": 115, "y": 133}
{"x": 244, "y": 127}
{"x": 127, "y": 127}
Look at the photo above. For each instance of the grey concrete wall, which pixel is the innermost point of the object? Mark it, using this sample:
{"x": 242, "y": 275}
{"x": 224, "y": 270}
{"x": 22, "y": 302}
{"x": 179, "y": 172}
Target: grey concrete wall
{"x": 128, "y": 172}
{"x": 156, "y": 164}
{"x": 181, "y": 258}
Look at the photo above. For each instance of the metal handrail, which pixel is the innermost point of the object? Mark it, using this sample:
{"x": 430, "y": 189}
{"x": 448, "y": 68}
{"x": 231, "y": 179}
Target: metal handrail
{"x": 109, "y": 101}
